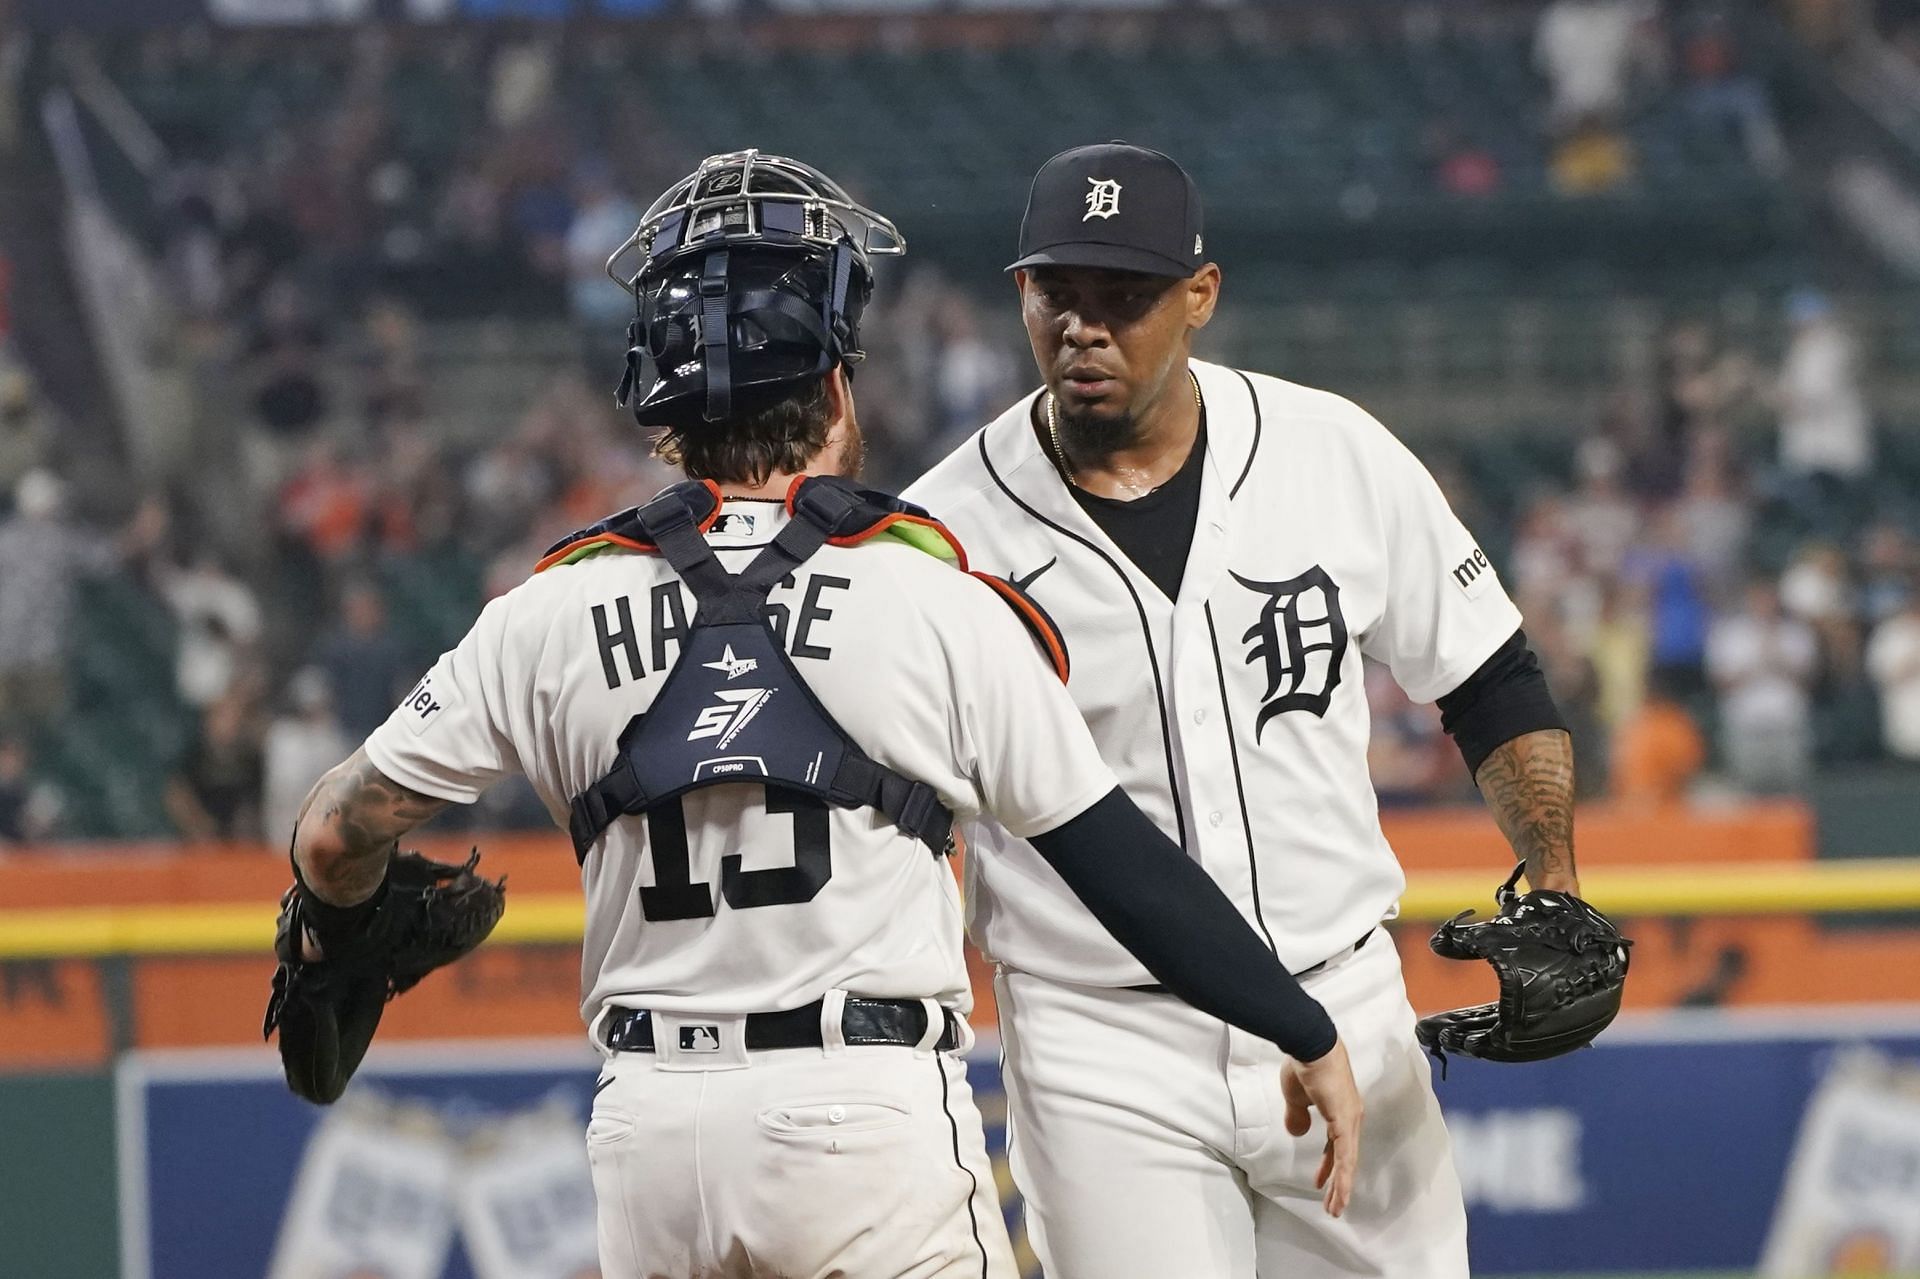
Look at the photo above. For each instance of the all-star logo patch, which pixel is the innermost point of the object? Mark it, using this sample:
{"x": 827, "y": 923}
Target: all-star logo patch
{"x": 731, "y": 666}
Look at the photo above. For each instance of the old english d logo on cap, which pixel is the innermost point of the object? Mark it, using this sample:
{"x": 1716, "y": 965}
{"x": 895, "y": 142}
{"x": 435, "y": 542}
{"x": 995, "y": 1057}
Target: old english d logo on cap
{"x": 1103, "y": 198}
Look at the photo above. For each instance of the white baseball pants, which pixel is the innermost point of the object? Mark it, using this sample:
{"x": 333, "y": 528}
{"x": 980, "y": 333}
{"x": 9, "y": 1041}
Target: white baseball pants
{"x": 1149, "y": 1138}
{"x": 803, "y": 1163}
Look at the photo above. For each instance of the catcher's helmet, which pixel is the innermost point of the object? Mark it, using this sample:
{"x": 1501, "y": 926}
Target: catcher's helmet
{"x": 752, "y": 275}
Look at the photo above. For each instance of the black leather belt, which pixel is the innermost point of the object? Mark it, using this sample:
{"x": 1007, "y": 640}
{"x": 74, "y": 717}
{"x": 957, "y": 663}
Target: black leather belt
{"x": 1155, "y": 988}
{"x": 899, "y": 1022}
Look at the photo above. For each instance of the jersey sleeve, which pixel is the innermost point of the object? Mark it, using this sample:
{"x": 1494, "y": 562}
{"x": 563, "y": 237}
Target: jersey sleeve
{"x": 448, "y": 736}
{"x": 1018, "y": 734}
{"x": 1445, "y": 610}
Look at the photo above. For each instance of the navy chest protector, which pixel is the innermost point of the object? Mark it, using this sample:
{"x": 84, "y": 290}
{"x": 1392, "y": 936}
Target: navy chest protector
{"x": 734, "y": 708}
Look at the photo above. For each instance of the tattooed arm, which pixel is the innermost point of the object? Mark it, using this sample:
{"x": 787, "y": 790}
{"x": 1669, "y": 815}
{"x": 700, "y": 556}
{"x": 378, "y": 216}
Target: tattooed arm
{"x": 1528, "y": 783}
{"x": 348, "y": 827}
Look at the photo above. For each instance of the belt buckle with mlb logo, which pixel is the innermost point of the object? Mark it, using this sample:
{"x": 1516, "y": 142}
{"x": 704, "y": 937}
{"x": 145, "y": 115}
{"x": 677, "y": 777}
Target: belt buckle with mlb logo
{"x": 700, "y": 1039}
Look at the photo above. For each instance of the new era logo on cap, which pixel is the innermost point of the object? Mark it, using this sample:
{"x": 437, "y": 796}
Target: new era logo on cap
{"x": 1113, "y": 205}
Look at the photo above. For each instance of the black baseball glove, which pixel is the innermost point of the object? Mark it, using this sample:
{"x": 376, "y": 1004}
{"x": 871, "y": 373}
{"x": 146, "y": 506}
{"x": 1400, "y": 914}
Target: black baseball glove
{"x": 427, "y": 914}
{"x": 1562, "y": 967}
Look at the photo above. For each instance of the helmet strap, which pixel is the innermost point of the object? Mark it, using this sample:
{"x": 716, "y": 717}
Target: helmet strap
{"x": 835, "y": 310}
{"x": 714, "y": 335}
{"x": 636, "y": 335}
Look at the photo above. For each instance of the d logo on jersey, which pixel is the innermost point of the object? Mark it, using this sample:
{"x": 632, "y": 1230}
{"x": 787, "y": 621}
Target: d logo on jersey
{"x": 1299, "y": 621}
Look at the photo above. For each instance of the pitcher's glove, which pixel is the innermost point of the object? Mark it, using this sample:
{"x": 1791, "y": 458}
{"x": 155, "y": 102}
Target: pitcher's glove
{"x": 1562, "y": 966}
{"x": 426, "y": 915}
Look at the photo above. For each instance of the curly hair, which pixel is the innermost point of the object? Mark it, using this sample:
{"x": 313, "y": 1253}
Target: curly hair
{"x": 745, "y": 449}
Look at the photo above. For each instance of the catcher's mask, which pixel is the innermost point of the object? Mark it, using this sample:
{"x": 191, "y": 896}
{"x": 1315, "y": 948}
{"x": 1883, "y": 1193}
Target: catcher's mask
{"x": 753, "y": 271}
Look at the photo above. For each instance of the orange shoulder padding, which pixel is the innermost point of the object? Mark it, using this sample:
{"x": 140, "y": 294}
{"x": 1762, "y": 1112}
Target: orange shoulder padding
{"x": 1048, "y": 635}
{"x": 601, "y": 534}
{"x": 560, "y": 553}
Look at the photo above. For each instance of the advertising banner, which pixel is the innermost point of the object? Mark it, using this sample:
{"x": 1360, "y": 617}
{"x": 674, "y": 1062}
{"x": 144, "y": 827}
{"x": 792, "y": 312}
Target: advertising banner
{"x": 1852, "y": 1201}
{"x": 1666, "y": 1147}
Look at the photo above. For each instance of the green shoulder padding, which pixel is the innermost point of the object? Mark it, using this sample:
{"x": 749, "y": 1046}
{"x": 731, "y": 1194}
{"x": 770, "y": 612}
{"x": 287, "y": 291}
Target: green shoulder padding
{"x": 922, "y": 538}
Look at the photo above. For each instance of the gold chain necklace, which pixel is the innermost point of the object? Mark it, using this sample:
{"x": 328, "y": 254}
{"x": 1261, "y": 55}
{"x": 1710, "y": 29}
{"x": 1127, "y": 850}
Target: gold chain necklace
{"x": 1060, "y": 453}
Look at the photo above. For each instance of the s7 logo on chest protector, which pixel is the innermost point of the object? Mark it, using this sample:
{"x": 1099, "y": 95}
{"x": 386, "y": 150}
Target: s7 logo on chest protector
{"x": 1299, "y": 619}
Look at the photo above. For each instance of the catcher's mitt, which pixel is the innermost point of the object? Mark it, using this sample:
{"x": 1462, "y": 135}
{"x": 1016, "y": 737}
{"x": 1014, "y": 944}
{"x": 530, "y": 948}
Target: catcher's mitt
{"x": 428, "y": 914}
{"x": 1562, "y": 966}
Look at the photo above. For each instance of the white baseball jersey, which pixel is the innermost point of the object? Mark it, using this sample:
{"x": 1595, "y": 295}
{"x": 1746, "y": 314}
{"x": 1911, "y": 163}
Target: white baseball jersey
{"x": 922, "y": 665}
{"x": 1235, "y": 716}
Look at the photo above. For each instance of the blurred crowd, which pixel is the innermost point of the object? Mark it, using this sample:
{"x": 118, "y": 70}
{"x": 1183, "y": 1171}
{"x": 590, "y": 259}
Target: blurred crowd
{"x": 1720, "y": 582}
{"x": 1605, "y": 59}
{"x": 1725, "y": 591}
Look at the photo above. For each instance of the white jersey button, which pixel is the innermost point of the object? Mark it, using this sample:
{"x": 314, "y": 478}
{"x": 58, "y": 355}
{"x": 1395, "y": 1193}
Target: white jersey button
{"x": 1200, "y": 717}
{"x": 836, "y": 1114}
{"x": 1216, "y": 818}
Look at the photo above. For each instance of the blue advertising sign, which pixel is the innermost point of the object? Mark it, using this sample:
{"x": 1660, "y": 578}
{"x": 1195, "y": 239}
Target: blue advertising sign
{"x": 1664, "y": 1147}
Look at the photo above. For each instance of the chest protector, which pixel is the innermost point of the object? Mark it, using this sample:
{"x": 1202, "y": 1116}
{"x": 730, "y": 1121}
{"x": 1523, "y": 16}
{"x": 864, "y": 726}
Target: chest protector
{"x": 734, "y": 707}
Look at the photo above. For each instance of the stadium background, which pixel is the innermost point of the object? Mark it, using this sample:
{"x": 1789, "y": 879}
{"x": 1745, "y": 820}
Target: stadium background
{"x": 305, "y": 352}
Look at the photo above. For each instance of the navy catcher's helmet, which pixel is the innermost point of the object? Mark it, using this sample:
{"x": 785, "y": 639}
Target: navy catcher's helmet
{"x": 752, "y": 275}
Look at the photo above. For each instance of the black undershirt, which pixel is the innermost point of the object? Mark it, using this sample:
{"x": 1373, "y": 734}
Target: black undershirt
{"x": 1155, "y": 531}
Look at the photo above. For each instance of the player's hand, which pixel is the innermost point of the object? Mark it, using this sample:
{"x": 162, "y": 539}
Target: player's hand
{"x": 1327, "y": 1085}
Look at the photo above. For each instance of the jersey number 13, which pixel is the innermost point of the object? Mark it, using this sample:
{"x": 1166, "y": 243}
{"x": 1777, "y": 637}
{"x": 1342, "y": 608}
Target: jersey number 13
{"x": 675, "y": 894}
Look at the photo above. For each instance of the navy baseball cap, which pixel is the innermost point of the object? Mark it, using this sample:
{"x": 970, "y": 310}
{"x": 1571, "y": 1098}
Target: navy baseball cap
{"x": 1113, "y": 205}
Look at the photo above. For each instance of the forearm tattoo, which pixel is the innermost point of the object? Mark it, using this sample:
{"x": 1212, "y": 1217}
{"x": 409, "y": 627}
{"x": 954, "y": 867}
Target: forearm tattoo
{"x": 1528, "y": 783}
{"x": 349, "y": 824}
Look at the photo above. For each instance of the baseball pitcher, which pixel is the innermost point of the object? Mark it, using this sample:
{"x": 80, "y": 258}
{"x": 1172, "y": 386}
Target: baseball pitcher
{"x": 1220, "y": 550}
{"x": 758, "y": 704}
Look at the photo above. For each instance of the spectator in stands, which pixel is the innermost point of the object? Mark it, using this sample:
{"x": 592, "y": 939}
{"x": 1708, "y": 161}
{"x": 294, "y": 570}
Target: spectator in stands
{"x": 1715, "y": 514}
{"x": 1619, "y": 647}
{"x": 1893, "y": 659}
{"x": 1589, "y": 50}
{"x": 1722, "y": 93}
{"x": 284, "y": 348}
{"x": 1658, "y": 751}
{"x": 602, "y": 220}
{"x": 1701, "y": 385}
{"x": 393, "y": 386}
{"x": 971, "y": 375}
{"x": 301, "y": 743}
{"x": 1818, "y": 589}
{"x": 218, "y": 620}
{"x": 43, "y": 556}
{"x": 1460, "y": 165}
{"x": 29, "y": 809}
{"x": 1406, "y": 749}
{"x": 1887, "y": 565}
{"x": 1601, "y": 519}
{"x": 24, "y": 437}
{"x": 1591, "y": 159}
{"x": 325, "y": 504}
{"x": 215, "y": 793}
{"x": 1763, "y": 663}
{"x": 366, "y": 665}
{"x": 1826, "y": 437}
{"x": 1678, "y": 611}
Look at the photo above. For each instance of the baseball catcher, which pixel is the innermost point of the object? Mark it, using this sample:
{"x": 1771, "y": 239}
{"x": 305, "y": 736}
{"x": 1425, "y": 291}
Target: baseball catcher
{"x": 425, "y": 915}
{"x": 1562, "y": 967}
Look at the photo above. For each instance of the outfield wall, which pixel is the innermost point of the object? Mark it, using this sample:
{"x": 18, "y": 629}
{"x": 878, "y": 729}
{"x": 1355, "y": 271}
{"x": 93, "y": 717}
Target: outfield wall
{"x": 1664, "y": 1149}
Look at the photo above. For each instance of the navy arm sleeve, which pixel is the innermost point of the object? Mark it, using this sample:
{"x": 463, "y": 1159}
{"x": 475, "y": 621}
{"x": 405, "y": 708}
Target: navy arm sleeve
{"x": 1163, "y": 908}
{"x": 1506, "y": 698}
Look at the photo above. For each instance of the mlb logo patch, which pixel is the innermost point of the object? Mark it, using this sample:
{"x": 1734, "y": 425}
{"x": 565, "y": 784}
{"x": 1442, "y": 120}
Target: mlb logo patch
{"x": 699, "y": 1039}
